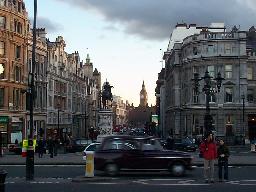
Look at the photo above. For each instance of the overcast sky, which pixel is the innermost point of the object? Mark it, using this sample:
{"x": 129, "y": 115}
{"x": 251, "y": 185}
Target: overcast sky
{"x": 124, "y": 37}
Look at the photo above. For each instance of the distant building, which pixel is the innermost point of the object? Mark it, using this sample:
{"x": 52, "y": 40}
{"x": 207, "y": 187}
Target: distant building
{"x": 140, "y": 117}
{"x": 119, "y": 107}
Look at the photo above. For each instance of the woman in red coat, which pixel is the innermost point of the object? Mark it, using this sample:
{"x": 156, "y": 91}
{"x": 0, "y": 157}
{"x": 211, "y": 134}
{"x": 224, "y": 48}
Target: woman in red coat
{"x": 209, "y": 150}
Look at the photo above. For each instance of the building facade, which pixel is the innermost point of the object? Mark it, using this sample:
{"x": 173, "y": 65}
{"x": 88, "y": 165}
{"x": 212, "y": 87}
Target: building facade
{"x": 14, "y": 29}
{"x": 120, "y": 113}
{"x": 212, "y": 49}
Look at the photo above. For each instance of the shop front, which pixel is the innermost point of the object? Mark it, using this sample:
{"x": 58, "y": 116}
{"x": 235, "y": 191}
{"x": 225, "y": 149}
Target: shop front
{"x": 4, "y": 121}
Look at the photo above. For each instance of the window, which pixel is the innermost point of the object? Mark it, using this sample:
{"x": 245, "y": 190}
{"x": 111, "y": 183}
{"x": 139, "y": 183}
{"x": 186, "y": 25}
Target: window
{"x": 195, "y": 97}
{"x": 195, "y": 69}
{"x": 18, "y": 51}
{"x": 210, "y": 49}
{"x": 2, "y": 3}
{"x": 50, "y": 85}
{"x": 228, "y": 94}
{"x": 19, "y": 28}
{"x": 2, "y": 48}
{"x": 17, "y": 74}
{"x": 211, "y": 70}
{"x": 1, "y": 97}
{"x": 212, "y": 98}
{"x": 227, "y": 48}
{"x": 228, "y": 71}
{"x": 249, "y": 73}
{"x": 1, "y": 71}
{"x": 2, "y": 22}
{"x": 229, "y": 125}
{"x": 19, "y": 7}
{"x": 250, "y": 95}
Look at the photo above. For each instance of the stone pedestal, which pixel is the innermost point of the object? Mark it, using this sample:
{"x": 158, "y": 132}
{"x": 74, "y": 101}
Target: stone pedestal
{"x": 105, "y": 121}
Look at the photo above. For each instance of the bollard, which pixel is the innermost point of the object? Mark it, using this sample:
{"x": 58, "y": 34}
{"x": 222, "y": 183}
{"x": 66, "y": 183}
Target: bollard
{"x": 24, "y": 152}
{"x": 89, "y": 167}
{"x": 3, "y": 174}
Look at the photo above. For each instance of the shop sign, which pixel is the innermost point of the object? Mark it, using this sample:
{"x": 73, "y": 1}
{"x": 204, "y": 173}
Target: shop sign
{"x": 4, "y": 119}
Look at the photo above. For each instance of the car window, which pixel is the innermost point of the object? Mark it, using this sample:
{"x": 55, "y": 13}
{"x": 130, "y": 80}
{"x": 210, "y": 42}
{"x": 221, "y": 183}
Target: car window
{"x": 91, "y": 148}
{"x": 121, "y": 144}
{"x": 131, "y": 145}
{"x": 152, "y": 144}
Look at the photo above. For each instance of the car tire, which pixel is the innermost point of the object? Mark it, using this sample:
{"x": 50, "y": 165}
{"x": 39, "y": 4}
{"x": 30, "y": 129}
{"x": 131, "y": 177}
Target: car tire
{"x": 111, "y": 169}
{"x": 177, "y": 169}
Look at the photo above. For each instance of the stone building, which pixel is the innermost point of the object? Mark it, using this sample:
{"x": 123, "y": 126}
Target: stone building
{"x": 59, "y": 115}
{"x": 213, "y": 49}
{"x": 120, "y": 113}
{"x": 14, "y": 29}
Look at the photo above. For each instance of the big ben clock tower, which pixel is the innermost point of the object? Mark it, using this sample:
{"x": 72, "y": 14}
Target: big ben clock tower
{"x": 143, "y": 96}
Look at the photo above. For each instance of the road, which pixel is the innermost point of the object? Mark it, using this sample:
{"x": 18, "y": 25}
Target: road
{"x": 53, "y": 178}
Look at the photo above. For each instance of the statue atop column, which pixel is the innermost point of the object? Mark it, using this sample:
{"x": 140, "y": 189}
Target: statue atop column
{"x": 106, "y": 95}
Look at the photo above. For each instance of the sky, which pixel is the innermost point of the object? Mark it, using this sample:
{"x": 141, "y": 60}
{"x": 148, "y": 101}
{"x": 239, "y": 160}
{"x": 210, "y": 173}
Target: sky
{"x": 126, "y": 38}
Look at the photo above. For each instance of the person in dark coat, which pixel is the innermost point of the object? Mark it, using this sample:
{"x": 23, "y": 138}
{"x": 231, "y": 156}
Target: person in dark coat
{"x": 50, "y": 145}
{"x": 169, "y": 143}
{"x": 223, "y": 155}
{"x": 40, "y": 146}
{"x": 55, "y": 146}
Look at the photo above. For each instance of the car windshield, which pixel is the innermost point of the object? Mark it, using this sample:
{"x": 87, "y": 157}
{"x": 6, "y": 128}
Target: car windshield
{"x": 152, "y": 144}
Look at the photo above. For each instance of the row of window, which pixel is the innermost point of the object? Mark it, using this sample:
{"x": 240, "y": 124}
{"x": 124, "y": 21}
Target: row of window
{"x": 17, "y": 72}
{"x": 17, "y": 50}
{"x": 17, "y": 4}
{"x": 228, "y": 97}
{"x": 17, "y": 27}
{"x": 228, "y": 73}
{"x": 16, "y": 99}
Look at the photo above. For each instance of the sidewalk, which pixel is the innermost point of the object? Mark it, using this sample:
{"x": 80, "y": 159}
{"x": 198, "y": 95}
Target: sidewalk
{"x": 242, "y": 158}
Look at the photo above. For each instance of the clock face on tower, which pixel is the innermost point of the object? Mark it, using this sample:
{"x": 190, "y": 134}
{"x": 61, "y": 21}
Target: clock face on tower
{"x": 142, "y": 96}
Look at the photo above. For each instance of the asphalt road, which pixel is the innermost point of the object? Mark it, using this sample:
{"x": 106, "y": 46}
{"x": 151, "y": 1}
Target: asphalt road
{"x": 53, "y": 178}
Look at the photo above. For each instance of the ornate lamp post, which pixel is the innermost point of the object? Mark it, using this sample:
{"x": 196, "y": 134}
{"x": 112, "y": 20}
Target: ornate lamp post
{"x": 209, "y": 90}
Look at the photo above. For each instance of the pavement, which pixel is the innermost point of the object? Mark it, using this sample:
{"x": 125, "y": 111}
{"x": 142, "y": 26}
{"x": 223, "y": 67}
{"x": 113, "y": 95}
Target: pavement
{"x": 240, "y": 156}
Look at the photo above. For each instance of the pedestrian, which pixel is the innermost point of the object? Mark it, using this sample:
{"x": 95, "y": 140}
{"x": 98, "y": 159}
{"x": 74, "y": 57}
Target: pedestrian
{"x": 55, "y": 146}
{"x": 223, "y": 155}
{"x": 40, "y": 146}
{"x": 169, "y": 143}
{"x": 50, "y": 146}
{"x": 209, "y": 151}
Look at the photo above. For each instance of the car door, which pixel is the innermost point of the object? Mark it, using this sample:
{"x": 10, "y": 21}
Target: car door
{"x": 132, "y": 154}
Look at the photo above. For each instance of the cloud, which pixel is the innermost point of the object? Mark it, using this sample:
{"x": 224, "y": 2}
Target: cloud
{"x": 50, "y": 26}
{"x": 155, "y": 19}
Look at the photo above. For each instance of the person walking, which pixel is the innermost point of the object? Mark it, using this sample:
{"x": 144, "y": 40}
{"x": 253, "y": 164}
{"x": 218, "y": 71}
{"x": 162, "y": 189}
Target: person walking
{"x": 50, "y": 145}
{"x": 208, "y": 149}
{"x": 40, "y": 146}
{"x": 223, "y": 155}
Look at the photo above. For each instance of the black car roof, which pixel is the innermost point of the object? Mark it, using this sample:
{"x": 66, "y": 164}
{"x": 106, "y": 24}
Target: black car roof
{"x": 128, "y": 137}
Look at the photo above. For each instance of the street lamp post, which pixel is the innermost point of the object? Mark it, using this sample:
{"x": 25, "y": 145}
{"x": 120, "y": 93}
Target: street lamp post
{"x": 209, "y": 90}
{"x": 30, "y": 151}
{"x": 243, "y": 98}
{"x": 58, "y": 114}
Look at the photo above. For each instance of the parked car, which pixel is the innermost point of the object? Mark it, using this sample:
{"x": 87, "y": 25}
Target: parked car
{"x": 120, "y": 153}
{"x": 91, "y": 147}
{"x": 78, "y": 145}
{"x": 15, "y": 148}
{"x": 184, "y": 145}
